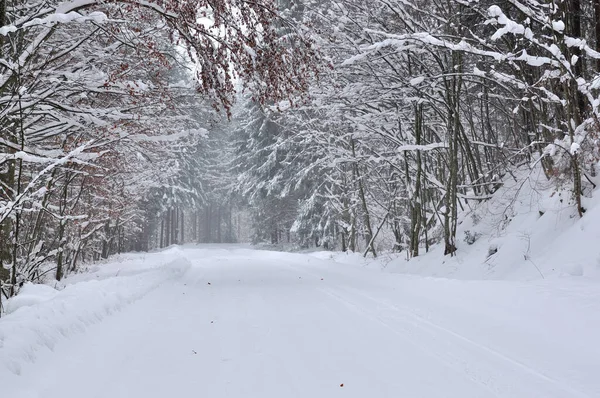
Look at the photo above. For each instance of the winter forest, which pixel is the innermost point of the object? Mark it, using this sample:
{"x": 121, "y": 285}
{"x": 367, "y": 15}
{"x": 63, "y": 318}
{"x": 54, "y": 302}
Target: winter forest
{"x": 352, "y": 125}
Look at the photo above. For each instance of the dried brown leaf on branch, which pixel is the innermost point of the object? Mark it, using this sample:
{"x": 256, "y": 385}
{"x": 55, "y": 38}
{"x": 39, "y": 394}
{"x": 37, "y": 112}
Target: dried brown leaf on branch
{"x": 238, "y": 39}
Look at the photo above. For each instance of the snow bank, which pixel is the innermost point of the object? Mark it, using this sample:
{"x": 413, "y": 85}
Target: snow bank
{"x": 29, "y": 295}
{"x": 343, "y": 257}
{"x": 41, "y": 316}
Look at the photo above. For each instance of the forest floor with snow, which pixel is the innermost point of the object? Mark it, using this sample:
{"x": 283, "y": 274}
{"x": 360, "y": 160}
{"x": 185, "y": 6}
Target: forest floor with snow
{"x": 229, "y": 321}
{"x": 529, "y": 230}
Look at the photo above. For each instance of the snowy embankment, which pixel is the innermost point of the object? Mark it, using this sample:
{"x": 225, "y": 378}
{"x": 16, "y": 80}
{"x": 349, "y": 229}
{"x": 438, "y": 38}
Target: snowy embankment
{"x": 529, "y": 230}
{"x": 40, "y": 316}
{"x": 226, "y": 321}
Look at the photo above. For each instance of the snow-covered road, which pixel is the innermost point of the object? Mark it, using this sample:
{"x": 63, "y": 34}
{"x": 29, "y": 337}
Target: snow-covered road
{"x": 244, "y": 323}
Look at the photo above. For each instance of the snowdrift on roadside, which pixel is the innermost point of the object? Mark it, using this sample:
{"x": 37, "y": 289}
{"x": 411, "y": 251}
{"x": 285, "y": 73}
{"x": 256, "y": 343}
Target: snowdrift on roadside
{"x": 40, "y": 316}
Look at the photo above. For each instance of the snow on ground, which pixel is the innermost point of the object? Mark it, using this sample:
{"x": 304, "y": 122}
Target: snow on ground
{"x": 529, "y": 230}
{"x": 40, "y": 316}
{"x": 226, "y": 321}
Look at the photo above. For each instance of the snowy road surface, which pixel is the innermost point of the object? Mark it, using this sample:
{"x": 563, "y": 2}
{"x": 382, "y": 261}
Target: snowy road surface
{"x": 241, "y": 323}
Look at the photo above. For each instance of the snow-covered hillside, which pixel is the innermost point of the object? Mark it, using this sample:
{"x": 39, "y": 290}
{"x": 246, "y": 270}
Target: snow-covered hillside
{"x": 528, "y": 230}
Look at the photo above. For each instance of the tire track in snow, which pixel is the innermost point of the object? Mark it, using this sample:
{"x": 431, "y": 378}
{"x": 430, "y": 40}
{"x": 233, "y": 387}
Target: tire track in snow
{"x": 427, "y": 323}
{"x": 410, "y": 336}
{"x": 413, "y": 325}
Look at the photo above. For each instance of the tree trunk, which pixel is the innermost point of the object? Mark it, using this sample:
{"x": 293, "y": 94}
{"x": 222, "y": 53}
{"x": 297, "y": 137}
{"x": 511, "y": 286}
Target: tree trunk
{"x": 182, "y": 227}
{"x": 450, "y": 215}
{"x": 61, "y": 228}
{"x": 363, "y": 200}
{"x": 597, "y": 26}
{"x": 416, "y": 200}
{"x": 168, "y": 228}
{"x": 175, "y": 225}
{"x": 162, "y": 232}
{"x": 219, "y": 237}
{"x": 195, "y": 225}
{"x": 208, "y": 223}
